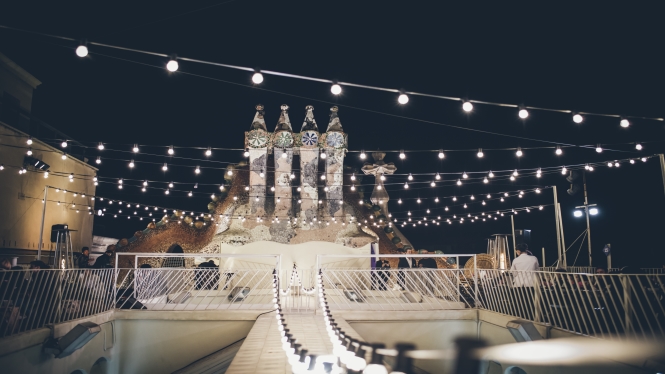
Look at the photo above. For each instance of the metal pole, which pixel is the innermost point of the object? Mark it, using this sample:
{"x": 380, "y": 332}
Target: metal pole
{"x": 558, "y": 231}
{"x": 41, "y": 231}
{"x": 662, "y": 167}
{"x": 586, "y": 210}
{"x": 609, "y": 262}
{"x": 512, "y": 225}
{"x": 544, "y": 257}
{"x": 563, "y": 238}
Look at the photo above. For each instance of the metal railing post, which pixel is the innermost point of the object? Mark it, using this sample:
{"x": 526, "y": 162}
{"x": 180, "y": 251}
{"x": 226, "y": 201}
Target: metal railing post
{"x": 627, "y": 303}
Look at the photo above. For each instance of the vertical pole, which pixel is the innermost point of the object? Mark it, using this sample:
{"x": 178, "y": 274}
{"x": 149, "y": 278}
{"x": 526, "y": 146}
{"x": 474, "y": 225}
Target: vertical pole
{"x": 41, "y": 231}
{"x": 609, "y": 262}
{"x": 662, "y": 167}
{"x": 475, "y": 280}
{"x": 558, "y": 231}
{"x": 563, "y": 238}
{"x": 588, "y": 227}
{"x": 544, "y": 257}
{"x": 512, "y": 225}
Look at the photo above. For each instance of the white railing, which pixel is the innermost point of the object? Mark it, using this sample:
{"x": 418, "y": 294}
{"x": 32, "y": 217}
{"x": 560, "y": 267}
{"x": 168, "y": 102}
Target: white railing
{"x": 653, "y": 270}
{"x": 397, "y": 289}
{"x": 596, "y": 305}
{"x": 195, "y": 289}
{"x": 32, "y": 299}
{"x": 571, "y": 269}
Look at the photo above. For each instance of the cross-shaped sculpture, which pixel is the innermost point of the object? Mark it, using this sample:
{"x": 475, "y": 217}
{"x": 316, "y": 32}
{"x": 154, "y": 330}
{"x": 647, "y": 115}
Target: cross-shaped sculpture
{"x": 378, "y": 170}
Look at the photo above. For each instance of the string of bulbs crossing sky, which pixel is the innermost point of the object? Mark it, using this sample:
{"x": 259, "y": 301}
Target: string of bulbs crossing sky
{"x": 172, "y": 65}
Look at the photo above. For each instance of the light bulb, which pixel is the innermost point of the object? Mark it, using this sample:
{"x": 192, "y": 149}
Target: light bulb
{"x": 145, "y": 183}
{"x": 29, "y": 152}
{"x": 323, "y": 155}
{"x": 515, "y": 173}
{"x": 480, "y": 153}
{"x": 491, "y": 175}
{"x": 172, "y": 65}
{"x": 577, "y": 213}
{"x": 402, "y": 156}
{"x": 135, "y": 149}
{"x": 336, "y": 89}
{"x": 81, "y": 51}
{"x": 406, "y": 186}
{"x": 485, "y": 180}
{"x": 165, "y": 168}
{"x": 519, "y": 152}
{"x": 171, "y": 185}
{"x": 284, "y": 155}
{"x": 564, "y": 170}
{"x": 433, "y": 184}
{"x": 64, "y": 156}
{"x": 441, "y": 154}
{"x": 410, "y": 177}
{"x": 638, "y": 146}
{"x": 46, "y": 174}
{"x": 599, "y": 149}
{"x": 257, "y": 78}
{"x": 558, "y": 151}
{"x": 131, "y": 164}
{"x": 523, "y": 113}
{"x": 362, "y": 155}
{"x": 208, "y": 152}
{"x": 467, "y": 106}
{"x": 459, "y": 182}
{"x": 577, "y": 118}
{"x": 29, "y": 141}
{"x": 624, "y": 123}
{"x": 171, "y": 151}
{"x": 399, "y": 201}
{"x": 197, "y": 170}
{"x": 353, "y": 176}
{"x": 63, "y": 144}
{"x": 437, "y": 177}
{"x": 261, "y": 174}
{"x": 246, "y": 153}
{"x": 465, "y": 175}
{"x": 403, "y": 99}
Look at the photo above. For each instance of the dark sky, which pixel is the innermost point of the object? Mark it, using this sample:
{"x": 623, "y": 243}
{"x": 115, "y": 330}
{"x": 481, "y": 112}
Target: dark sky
{"x": 588, "y": 57}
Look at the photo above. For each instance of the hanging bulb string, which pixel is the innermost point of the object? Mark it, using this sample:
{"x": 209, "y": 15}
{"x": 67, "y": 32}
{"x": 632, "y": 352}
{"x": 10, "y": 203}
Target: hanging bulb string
{"x": 464, "y": 217}
{"x": 347, "y": 106}
{"x": 329, "y": 81}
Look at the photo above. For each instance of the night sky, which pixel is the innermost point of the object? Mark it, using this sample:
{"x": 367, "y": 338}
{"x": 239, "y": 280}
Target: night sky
{"x": 582, "y": 57}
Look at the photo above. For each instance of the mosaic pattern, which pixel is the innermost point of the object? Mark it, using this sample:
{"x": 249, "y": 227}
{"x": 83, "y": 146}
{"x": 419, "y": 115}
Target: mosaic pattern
{"x": 257, "y": 139}
{"x": 310, "y": 138}
{"x": 284, "y": 139}
{"x": 335, "y": 140}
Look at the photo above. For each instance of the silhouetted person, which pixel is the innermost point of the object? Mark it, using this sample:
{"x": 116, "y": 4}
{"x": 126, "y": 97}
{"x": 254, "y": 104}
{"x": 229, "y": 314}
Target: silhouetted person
{"x": 404, "y": 263}
{"x": 83, "y": 258}
{"x": 103, "y": 261}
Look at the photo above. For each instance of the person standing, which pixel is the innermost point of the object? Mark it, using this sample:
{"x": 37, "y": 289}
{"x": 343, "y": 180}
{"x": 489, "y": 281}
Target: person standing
{"x": 83, "y": 259}
{"x": 523, "y": 280}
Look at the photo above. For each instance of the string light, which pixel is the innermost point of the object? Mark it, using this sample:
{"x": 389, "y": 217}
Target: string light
{"x": 246, "y": 153}
{"x": 46, "y": 174}
{"x": 323, "y": 155}
{"x": 638, "y": 146}
{"x": 515, "y": 173}
{"x": 257, "y": 78}
{"x": 437, "y": 177}
{"x": 336, "y": 89}
{"x": 135, "y": 149}
{"x": 172, "y": 65}
{"x": 197, "y": 170}
{"x": 485, "y": 180}
{"x": 403, "y": 99}
{"x": 599, "y": 149}
{"x": 406, "y": 186}
{"x": 558, "y": 151}
{"x": 63, "y": 144}
{"x": 467, "y": 106}
{"x": 564, "y": 170}
{"x": 577, "y": 118}
{"x": 410, "y": 177}
{"x": 165, "y": 168}
{"x": 624, "y": 123}
{"x": 465, "y": 175}
{"x": 82, "y": 50}
{"x": 459, "y": 182}
{"x": 523, "y": 113}
{"x": 353, "y": 176}
{"x": 491, "y": 175}
{"x": 29, "y": 152}
{"x": 402, "y": 156}
{"x": 208, "y": 152}
{"x": 362, "y": 155}
{"x": 171, "y": 185}
{"x": 519, "y": 152}
{"x": 480, "y": 153}
{"x": 131, "y": 164}
{"x": 171, "y": 151}
{"x": 100, "y": 146}
{"x": 441, "y": 154}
